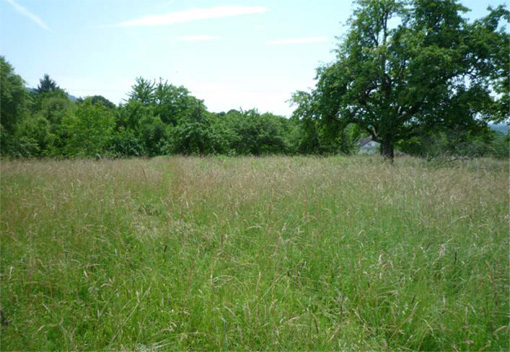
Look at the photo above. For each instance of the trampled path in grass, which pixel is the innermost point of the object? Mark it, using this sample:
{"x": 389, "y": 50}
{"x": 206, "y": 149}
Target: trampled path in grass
{"x": 273, "y": 253}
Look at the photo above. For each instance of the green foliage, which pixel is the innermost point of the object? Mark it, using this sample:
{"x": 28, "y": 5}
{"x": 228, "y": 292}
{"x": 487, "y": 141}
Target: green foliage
{"x": 251, "y": 133}
{"x": 129, "y": 115}
{"x": 431, "y": 69}
{"x": 46, "y": 85}
{"x": 14, "y": 101}
{"x": 456, "y": 141}
{"x": 501, "y": 146}
{"x": 318, "y": 135}
{"x": 152, "y": 133}
{"x": 99, "y": 99}
{"x": 88, "y": 128}
{"x": 491, "y": 42}
{"x": 36, "y": 137}
{"x": 142, "y": 91}
{"x": 52, "y": 105}
{"x": 193, "y": 138}
{"x": 124, "y": 143}
{"x": 175, "y": 104}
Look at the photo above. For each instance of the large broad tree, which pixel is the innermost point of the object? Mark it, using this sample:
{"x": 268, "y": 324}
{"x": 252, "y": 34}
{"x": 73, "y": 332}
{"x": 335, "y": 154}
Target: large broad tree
{"x": 406, "y": 66}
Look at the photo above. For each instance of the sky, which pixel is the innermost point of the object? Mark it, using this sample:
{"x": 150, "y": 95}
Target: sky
{"x": 231, "y": 54}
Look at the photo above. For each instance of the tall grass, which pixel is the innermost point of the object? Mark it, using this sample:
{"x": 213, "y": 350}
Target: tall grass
{"x": 254, "y": 253}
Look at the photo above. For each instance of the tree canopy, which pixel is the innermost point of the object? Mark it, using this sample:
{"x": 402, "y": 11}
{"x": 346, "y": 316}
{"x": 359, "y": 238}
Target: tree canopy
{"x": 46, "y": 84}
{"x": 405, "y": 67}
{"x": 13, "y": 103}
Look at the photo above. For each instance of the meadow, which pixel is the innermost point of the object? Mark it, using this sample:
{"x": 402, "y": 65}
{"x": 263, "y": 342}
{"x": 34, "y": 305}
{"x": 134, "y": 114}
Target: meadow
{"x": 275, "y": 253}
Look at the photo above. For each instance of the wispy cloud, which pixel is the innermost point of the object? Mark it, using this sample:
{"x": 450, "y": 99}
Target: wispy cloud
{"x": 297, "y": 41}
{"x": 195, "y": 14}
{"x": 197, "y": 38}
{"x": 25, "y": 12}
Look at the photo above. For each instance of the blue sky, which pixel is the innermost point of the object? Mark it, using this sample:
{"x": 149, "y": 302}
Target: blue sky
{"x": 231, "y": 54}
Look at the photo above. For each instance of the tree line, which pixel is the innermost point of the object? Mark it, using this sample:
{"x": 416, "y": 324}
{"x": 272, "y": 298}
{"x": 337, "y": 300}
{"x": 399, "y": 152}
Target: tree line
{"x": 413, "y": 75}
{"x": 157, "y": 118}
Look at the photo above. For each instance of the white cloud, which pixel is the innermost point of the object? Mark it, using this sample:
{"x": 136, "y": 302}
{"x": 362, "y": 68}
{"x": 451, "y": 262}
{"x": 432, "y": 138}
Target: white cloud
{"x": 195, "y": 14}
{"x": 297, "y": 41}
{"x": 25, "y": 12}
{"x": 197, "y": 38}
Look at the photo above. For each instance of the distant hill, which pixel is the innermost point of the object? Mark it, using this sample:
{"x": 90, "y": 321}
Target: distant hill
{"x": 72, "y": 97}
{"x": 500, "y": 127}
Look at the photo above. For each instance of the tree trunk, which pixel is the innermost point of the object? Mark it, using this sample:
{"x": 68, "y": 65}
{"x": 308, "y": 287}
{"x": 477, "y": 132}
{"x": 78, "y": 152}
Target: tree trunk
{"x": 387, "y": 148}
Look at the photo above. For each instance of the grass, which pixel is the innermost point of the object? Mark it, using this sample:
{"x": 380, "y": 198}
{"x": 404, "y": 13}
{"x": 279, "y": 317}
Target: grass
{"x": 254, "y": 254}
